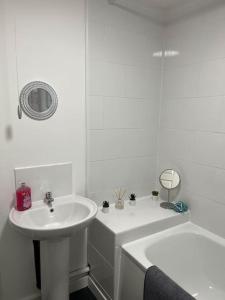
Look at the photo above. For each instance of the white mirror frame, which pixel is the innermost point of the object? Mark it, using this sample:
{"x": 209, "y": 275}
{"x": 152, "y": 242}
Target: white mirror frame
{"x": 172, "y": 188}
{"x": 26, "y": 108}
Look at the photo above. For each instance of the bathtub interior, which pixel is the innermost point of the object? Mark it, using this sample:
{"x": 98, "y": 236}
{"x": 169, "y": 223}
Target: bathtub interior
{"x": 192, "y": 260}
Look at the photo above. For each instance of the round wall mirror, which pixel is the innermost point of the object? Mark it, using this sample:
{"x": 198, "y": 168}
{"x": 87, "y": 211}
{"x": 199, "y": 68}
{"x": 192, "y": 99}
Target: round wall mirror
{"x": 38, "y": 100}
{"x": 169, "y": 179}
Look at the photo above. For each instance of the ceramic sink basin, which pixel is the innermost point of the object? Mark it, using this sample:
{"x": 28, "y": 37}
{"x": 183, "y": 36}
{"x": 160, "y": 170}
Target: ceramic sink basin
{"x": 70, "y": 214}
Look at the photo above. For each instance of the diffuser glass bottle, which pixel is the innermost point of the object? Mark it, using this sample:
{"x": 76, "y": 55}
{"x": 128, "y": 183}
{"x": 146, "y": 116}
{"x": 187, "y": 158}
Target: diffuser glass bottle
{"x": 120, "y": 194}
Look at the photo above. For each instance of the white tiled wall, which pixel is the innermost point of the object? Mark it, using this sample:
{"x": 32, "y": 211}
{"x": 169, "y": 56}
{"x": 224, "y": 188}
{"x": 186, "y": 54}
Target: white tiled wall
{"x": 192, "y": 135}
{"x": 123, "y": 92}
{"x": 123, "y": 106}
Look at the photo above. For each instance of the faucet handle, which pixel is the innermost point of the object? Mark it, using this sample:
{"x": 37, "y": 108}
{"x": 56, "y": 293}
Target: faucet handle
{"x": 48, "y": 195}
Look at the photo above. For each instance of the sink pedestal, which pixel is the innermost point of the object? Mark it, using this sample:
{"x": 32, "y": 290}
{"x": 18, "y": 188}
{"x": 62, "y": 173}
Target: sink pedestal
{"x": 55, "y": 269}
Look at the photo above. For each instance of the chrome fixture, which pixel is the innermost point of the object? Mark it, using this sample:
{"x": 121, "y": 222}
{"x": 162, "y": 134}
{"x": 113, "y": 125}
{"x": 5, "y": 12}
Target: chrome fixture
{"x": 49, "y": 199}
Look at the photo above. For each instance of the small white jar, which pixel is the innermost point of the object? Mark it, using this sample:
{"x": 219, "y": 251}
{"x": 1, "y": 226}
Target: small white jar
{"x": 105, "y": 210}
{"x": 132, "y": 198}
{"x": 132, "y": 202}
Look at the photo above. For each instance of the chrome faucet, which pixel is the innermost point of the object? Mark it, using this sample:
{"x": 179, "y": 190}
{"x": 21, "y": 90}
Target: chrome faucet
{"x": 49, "y": 199}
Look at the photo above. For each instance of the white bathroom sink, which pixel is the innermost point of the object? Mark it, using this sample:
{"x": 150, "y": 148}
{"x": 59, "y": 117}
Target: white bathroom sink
{"x": 71, "y": 213}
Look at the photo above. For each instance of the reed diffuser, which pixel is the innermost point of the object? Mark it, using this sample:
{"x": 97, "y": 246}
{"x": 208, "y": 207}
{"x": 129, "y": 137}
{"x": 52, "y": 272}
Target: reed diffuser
{"x": 120, "y": 194}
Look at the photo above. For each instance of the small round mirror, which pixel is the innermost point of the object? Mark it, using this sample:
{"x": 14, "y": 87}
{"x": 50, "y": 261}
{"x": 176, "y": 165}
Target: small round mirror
{"x": 38, "y": 100}
{"x": 169, "y": 179}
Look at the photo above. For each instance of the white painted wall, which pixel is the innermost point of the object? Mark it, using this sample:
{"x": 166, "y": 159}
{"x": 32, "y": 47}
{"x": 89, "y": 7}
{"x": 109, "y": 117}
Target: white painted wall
{"x": 192, "y": 119}
{"x": 123, "y": 89}
{"x": 38, "y": 41}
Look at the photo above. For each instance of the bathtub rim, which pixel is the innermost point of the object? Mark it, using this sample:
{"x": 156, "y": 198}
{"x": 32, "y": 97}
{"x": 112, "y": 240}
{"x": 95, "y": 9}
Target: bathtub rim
{"x": 133, "y": 249}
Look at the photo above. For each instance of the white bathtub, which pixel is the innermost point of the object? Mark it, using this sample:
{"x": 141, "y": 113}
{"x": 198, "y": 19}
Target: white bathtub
{"x": 190, "y": 255}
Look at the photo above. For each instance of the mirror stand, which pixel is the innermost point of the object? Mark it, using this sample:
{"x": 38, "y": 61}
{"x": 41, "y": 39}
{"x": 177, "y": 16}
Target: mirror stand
{"x": 167, "y": 204}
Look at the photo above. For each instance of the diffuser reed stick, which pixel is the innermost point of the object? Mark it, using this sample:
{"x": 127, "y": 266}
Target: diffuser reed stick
{"x": 120, "y": 194}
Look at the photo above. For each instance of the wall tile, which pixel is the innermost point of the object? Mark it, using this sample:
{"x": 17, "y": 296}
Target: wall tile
{"x": 208, "y": 214}
{"x": 142, "y": 82}
{"x": 95, "y": 112}
{"x": 56, "y": 178}
{"x": 180, "y": 82}
{"x": 124, "y": 113}
{"x": 212, "y": 82}
{"x": 124, "y": 81}
{"x": 194, "y": 114}
{"x": 128, "y": 173}
{"x": 209, "y": 149}
{"x": 111, "y": 144}
{"x": 192, "y": 120}
{"x": 97, "y": 34}
{"x": 125, "y": 46}
{"x": 105, "y": 79}
{"x": 140, "y": 190}
{"x": 177, "y": 143}
{"x": 195, "y": 47}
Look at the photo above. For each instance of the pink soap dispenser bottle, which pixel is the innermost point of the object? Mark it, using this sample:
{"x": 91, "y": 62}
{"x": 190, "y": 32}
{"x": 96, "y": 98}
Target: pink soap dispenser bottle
{"x": 23, "y": 197}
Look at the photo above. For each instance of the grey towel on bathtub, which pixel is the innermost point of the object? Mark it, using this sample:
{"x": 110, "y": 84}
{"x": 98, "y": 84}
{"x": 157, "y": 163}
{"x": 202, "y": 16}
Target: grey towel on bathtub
{"x": 158, "y": 286}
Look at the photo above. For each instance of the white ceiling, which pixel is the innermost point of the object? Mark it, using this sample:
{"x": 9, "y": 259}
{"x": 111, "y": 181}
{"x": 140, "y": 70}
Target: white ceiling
{"x": 166, "y": 11}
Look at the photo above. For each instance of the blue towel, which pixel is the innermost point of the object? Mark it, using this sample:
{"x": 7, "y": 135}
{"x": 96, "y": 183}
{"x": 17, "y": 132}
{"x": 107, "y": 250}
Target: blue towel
{"x": 158, "y": 286}
{"x": 180, "y": 207}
